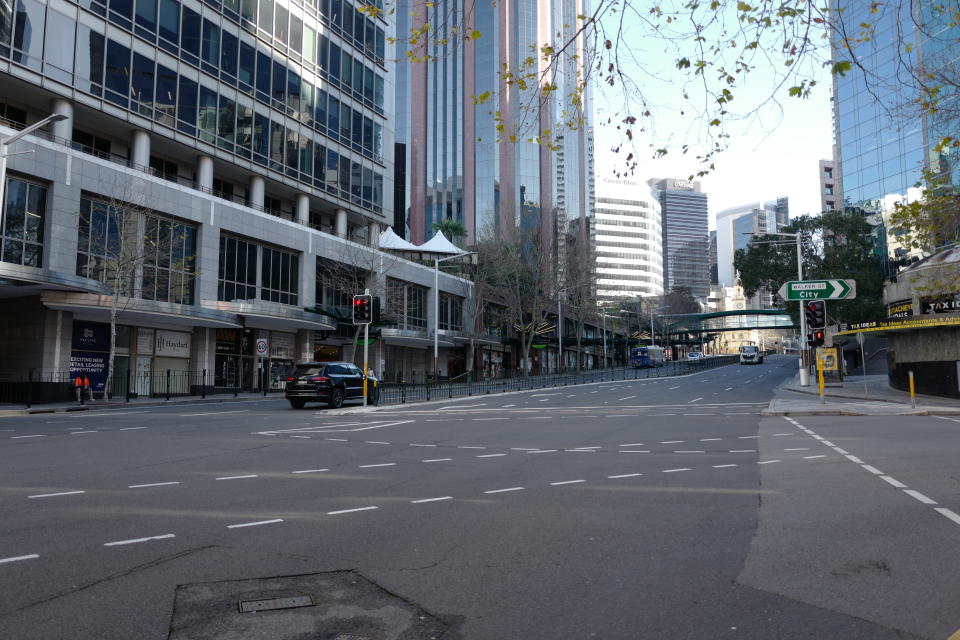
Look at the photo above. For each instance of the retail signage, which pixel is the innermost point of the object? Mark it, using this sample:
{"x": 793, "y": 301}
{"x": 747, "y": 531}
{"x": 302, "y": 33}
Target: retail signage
{"x": 900, "y": 309}
{"x": 92, "y": 364}
{"x": 837, "y": 289}
{"x": 173, "y": 344}
{"x": 893, "y": 325}
{"x": 946, "y": 303}
{"x": 145, "y": 342}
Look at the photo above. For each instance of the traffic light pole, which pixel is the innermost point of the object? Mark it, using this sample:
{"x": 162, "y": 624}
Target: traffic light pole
{"x": 366, "y": 347}
{"x": 804, "y": 372}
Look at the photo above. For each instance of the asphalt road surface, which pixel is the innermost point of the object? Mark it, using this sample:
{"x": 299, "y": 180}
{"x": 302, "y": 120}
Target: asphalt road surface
{"x": 662, "y": 508}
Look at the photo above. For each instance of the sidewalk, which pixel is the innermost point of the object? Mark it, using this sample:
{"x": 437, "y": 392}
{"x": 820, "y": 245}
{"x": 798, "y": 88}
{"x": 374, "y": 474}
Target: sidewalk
{"x": 858, "y": 396}
{"x": 8, "y": 410}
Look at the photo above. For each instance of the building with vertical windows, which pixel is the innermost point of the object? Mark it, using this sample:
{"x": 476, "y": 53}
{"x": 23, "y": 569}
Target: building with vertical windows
{"x": 627, "y": 242}
{"x": 206, "y": 159}
{"x": 831, "y": 189}
{"x": 736, "y": 227}
{"x": 686, "y": 252}
{"x": 454, "y": 163}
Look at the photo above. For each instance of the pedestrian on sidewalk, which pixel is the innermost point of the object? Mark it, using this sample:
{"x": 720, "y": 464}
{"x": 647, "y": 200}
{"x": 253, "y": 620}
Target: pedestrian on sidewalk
{"x": 78, "y": 387}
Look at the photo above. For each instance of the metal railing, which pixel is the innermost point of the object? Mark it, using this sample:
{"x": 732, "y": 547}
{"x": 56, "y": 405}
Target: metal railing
{"x": 402, "y": 393}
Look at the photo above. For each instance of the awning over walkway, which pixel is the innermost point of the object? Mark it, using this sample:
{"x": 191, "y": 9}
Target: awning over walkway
{"x": 148, "y": 313}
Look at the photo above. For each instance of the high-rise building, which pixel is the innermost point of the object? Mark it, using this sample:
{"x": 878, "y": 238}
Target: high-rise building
{"x": 627, "y": 241}
{"x": 831, "y": 192}
{"x": 714, "y": 277}
{"x": 458, "y": 163}
{"x": 735, "y": 226}
{"x": 686, "y": 253}
{"x": 224, "y": 150}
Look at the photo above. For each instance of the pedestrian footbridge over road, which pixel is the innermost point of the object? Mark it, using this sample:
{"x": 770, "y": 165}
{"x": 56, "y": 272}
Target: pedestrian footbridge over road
{"x": 700, "y": 324}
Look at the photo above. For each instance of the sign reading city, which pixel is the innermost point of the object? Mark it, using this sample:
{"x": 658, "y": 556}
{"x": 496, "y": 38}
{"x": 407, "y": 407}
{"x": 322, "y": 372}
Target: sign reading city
{"x": 819, "y": 290}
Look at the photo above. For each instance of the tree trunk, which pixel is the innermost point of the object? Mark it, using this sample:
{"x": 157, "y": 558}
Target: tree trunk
{"x": 471, "y": 355}
{"x": 114, "y": 312}
{"x": 353, "y": 345}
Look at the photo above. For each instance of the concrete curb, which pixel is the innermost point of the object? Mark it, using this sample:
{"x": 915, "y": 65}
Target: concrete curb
{"x": 112, "y": 406}
{"x": 849, "y": 412}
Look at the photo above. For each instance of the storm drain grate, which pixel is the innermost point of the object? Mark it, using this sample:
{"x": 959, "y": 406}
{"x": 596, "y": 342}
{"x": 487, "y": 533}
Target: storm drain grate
{"x": 272, "y": 604}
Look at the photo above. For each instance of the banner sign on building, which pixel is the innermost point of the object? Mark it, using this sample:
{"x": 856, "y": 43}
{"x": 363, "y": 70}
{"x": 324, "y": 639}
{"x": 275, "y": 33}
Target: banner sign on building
{"x": 144, "y": 342}
{"x": 91, "y": 336}
{"x": 900, "y": 309}
{"x": 173, "y": 344}
{"x": 945, "y": 303}
{"x": 897, "y": 324}
{"x": 93, "y": 364}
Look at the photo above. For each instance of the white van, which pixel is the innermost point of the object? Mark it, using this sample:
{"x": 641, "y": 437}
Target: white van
{"x": 751, "y": 354}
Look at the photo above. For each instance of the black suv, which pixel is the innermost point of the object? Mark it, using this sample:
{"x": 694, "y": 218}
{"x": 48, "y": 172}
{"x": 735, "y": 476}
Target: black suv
{"x": 330, "y": 382}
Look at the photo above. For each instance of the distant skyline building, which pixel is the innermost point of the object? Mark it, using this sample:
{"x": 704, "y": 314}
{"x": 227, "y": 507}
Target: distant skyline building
{"x": 734, "y": 226}
{"x": 452, "y": 161}
{"x": 627, "y": 241}
{"x": 831, "y": 191}
{"x": 686, "y": 252}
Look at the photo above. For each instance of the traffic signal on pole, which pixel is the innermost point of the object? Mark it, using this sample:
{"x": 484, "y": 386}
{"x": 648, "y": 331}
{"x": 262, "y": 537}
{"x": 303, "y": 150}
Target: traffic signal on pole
{"x": 362, "y": 309}
{"x": 818, "y": 338}
{"x": 816, "y": 313}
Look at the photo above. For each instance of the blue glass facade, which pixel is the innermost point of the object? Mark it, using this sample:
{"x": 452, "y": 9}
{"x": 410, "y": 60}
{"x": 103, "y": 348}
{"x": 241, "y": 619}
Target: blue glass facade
{"x": 298, "y": 88}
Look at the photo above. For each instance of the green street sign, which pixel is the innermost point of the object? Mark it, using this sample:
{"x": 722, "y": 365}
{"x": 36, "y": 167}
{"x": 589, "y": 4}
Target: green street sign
{"x": 837, "y": 289}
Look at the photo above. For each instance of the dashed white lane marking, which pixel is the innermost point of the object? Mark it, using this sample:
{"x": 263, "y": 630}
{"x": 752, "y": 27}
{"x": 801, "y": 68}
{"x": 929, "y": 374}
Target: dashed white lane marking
{"x": 872, "y": 470}
{"x": 709, "y": 439}
{"x": 948, "y": 513}
{"x": 341, "y": 511}
{"x": 695, "y": 400}
{"x": 423, "y": 445}
{"x": 77, "y": 433}
{"x": 798, "y": 449}
{"x": 235, "y": 477}
{"x": 627, "y": 398}
{"x": 537, "y": 418}
{"x": 254, "y": 524}
{"x": 336, "y": 439}
{"x": 431, "y": 500}
{"x": 485, "y": 419}
{"x": 699, "y": 414}
{"x": 543, "y": 451}
{"x": 522, "y": 449}
{"x": 131, "y": 428}
{"x": 152, "y": 484}
{"x": 767, "y": 461}
{"x": 305, "y": 437}
{"x": 812, "y": 457}
{"x": 854, "y": 459}
{"x": 382, "y": 464}
{"x": 671, "y": 441}
{"x": 19, "y": 558}
{"x": 580, "y": 450}
{"x": 743, "y": 450}
{"x": 661, "y": 414}
{"x": 212, "y": 413}
{"x": 53, "y": 495}
{"x": 675, "y": 470}
{"x": 120, "y": 543}
{"x": 689, "y": 451}
{"x": 492, "y": 455}
{"x": 557, "y": 484}
{"x": 507, "y": 406}
{"x": 634, "y": 451}
{"x": 729, "y": 389}
{"x": 39, "y": 435}
{"x": 634, "y": 444}
{"x": 746, "y": 437}
{"x": 676, "y": 387}
{"x": 375, "y": 442}
{"x": 469, "y": 447}
{"x": 839, "y": 450}
{"x": 504, "y": 490}
{"x": 587, "y": 448}
{"x": 893, "y": 481}
{"x": 625, "y": 475}
{"x": 310, "y": 471}
{"x": 783, "y": 434}
{"x": 723, "y": 466}
{"x": 438, "y": 460}
{"x": 919, "y": 496}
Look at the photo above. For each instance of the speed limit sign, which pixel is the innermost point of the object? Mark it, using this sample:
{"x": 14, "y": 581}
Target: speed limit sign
{"x": 262, "y": 346}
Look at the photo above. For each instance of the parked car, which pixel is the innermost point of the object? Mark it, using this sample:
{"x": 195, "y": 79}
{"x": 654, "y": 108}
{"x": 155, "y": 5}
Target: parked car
{"x": 751, "y": 354}
{"x": 330, "y": 382}
{"x": 695, "y": 355}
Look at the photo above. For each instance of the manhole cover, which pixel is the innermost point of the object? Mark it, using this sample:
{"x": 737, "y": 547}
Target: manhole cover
{"x": 254, "y": 606}
{"x": 337, "y": 605}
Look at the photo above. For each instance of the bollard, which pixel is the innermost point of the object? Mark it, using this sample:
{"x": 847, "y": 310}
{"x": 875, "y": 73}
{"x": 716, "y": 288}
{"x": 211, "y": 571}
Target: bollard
{"x": 203, "y": 384}
{"x": 168, "y": 384}
{"x": 913, "y": 395}
{"x": 823, "y": 399}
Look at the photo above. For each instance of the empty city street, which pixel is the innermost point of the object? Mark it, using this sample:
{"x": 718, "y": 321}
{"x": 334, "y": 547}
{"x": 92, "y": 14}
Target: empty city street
{"x": 655, "y": 508}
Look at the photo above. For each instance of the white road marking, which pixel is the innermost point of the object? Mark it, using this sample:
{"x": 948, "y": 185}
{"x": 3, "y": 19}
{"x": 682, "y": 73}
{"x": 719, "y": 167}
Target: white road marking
{"x": 675, "y": 470}
{"x": 625, "y": 475}
{"x": 729, "y": 389}
{"x": 944, "y": 512}
{"x": 482, "y": 419}
{"x": 382, "y": 464}
{"x": 337, "y": 439}
{"x": 131, "y": 428}
{"x": 136, "y": 540}
{"x": 812, "y": 457}
{"x": 538, "y": 418}
{"x": 507, "y": 406}
{"x": 423, "y": 445}
{"x": 695, "y": 400}
{"x": 504, "y": 490}
{"x": 254, "y": 524}
{"x": 557, "y": 484}
{"x": 310, "y": 471}
{"x": 535, "y": 395}
{"x": 77, "y": 433}
{"x": 854, "y": 459}
{"x": 723, "y": 466}
{"x": 839, "y": 450}
{"x": 662, "y": 414}
{"x": 431, "y": 500}
{"x": 589, "y": 448}
{"x": 39, "y": 435}
{"x": 893, "y": 481}
{"x": 580, "y": 450}
{"x": 469, "y": 447}
{"x": 212, "y": 413}
{"x": 872, "y": 470}
{"x": 438, "y": 460}
{"x": 709, "y": 439}
{"x": 746, "y": 437}
{"x": 828, "y": 443}
{"x": 492, "y": 455}
{"x": 19, "y": 558}
{"x": 336, "y": 513}
{"x": 689, "y": 451}
{"x": 671, "y": 441}
{"x": 676, "y": 387}
{"x": 635, "y": 444}
{"x": 522, "y": 449}
{"x": 919, "y": 496}
{"x": 306, "y": 437}
{"x": 53, "y": 495}
{"x": 543, "y": 451}
{"x": 236, "y": 477}
{"x": 375, "y": 442}
{"x": 743, "y": 450}
{"x": 783, "y": 434}
{"x": 767, "y": 461}
{"x": 627, "y": 398}
{"x": 633, "y": 451}
{"x": 152, "y": 484}
{"x": 798, "y": 449}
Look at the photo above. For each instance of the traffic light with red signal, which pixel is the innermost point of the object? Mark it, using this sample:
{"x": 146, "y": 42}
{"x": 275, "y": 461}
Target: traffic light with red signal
{"x": 816, "y": 314}
{"x": 815, "y": 338}
{"x": 362, "y": 309}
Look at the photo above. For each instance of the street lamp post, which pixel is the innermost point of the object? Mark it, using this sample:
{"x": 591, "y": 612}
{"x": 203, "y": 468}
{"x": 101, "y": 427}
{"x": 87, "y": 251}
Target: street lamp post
{"x": 436, "y": 309}
{"x": 4, "y": 154}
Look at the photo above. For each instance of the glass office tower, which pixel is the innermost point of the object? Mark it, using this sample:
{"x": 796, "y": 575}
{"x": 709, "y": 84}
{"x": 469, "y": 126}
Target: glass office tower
{"x": 686, "y": 251}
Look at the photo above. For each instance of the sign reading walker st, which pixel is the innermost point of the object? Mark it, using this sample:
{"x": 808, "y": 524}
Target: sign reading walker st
{"x": 834, "y": 289}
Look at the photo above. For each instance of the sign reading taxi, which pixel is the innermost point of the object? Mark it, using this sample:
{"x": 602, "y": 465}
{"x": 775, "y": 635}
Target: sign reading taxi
{"x": 836, "y": 289}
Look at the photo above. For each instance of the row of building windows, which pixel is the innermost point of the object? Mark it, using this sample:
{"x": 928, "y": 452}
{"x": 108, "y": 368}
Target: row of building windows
{"x": 606, "y": 277}
{"x": 625, "y": 212}
{"x": 628, "y": 203}
{"x": 600, "y": 224}
{"x": 21, "y": 236}
{"x": 277, "y": 279}
{"x": 408, "y": 303}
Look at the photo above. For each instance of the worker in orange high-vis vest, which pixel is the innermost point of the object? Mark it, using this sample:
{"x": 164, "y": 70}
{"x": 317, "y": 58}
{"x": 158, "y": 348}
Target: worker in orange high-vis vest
{"x": 78, "y": 386}
{"x": 86, "y": 387}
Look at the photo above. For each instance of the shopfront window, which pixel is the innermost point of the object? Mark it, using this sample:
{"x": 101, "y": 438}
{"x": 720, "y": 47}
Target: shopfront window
{"x": 451, "y": 312}
{"x": 238, "y": 269}
{"x": 407, "y": 303}
{"x": 280, "y": 277}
